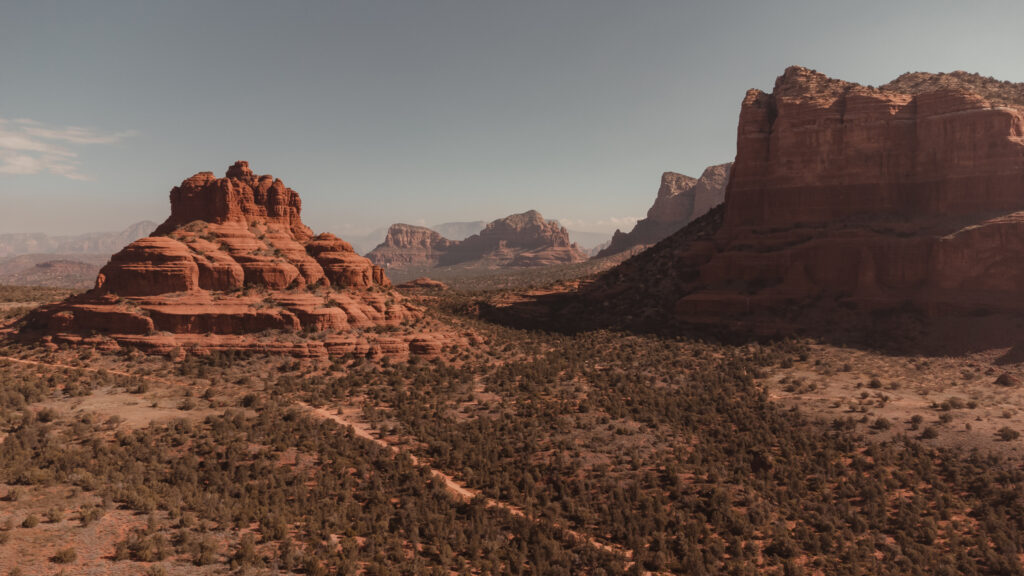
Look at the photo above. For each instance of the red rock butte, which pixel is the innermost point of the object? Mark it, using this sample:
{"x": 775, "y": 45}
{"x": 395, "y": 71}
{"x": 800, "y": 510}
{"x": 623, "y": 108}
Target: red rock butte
{"x": 234, "y": 267}
{"x": 912, "y": 192}
{"x": 845, "y": 201}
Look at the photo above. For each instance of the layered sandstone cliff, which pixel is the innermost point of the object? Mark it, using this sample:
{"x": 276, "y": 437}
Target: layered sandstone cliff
{"x": 519, "y": 240}
{"x": 908, "y": 193}
{"x": 681, "y": 200}
{"x": 233, "y": 267}
{"x": 845, "y": 199}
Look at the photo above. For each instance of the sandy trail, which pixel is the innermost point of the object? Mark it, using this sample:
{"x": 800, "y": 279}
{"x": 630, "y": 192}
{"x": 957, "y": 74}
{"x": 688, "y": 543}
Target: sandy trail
{"x": 347, "y": 416}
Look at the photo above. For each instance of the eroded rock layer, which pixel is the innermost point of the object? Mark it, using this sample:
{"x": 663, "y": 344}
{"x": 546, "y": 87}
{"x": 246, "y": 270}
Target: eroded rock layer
{"x": 681, "y": 200}
{"x": 234, "y": 267}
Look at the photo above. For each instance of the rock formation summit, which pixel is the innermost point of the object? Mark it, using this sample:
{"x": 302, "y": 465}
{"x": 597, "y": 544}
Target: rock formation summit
{"x": 519, "y": 240}
{"x": 681, "y": 200}
{"x": 233, "y": 267}
{"x": 845, "y": 197}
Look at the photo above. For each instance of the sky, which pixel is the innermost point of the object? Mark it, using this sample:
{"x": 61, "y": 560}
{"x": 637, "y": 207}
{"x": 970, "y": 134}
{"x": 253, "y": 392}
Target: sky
{"x": 425, "y": 111}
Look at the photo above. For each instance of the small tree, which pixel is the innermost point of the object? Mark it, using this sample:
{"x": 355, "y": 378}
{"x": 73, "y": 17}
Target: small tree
{"x": 65, "y": 556}
{"x": 1006, "y": 434}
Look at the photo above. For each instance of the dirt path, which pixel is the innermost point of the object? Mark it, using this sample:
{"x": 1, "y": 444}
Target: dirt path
{"x": 348, "y": 417}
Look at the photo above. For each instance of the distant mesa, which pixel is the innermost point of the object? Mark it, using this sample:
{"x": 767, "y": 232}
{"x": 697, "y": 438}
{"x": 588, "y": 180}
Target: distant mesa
{"x": 406, "y": 246}
{"x": 423, "y": 283}
{"x": 233, "y": 267}
{"x": 519, "y": 240}
{"x": 681, "y": 200}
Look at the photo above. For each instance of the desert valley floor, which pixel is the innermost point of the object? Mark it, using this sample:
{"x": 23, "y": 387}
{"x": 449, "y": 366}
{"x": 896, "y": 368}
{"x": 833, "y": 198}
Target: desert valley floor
{"x": 521, "y": 451}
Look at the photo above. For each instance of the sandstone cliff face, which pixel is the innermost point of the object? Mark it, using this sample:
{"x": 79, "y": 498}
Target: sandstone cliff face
{"x": 681, "y": 200}
{"x": 879, "y": 154}
{"x": 407, "y": 245}
{"x": 876, "y": 195}
{"x": 519, "y": 240}
{"x": 232, "y": 261}
{"x": 910, "y": 194}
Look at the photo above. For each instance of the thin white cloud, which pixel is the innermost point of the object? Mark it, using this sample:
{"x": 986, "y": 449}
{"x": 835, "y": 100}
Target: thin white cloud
{"x": 618, "y": 221}
{"x": 602, "y": 225}
{"x": 29, "y": 147}
{"x": 77, "y": 135}
{"x": 570, "y": 223}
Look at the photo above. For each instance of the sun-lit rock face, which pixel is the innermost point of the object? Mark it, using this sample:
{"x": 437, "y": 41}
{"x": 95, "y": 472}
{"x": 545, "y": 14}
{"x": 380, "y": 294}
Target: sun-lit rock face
{"x": 233, "y": 261}
{"x": 227, "y": 233}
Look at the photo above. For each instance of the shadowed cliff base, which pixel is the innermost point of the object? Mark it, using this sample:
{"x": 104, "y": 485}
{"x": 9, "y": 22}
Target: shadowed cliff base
{"x": 642, "y": 295}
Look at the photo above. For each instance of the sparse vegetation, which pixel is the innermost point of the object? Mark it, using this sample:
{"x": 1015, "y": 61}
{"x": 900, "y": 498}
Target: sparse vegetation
{"x": 670, "y": 449}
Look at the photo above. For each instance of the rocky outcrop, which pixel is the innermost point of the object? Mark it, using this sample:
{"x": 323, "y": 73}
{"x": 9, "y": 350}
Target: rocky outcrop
{"x": 681, "y": 200}
{"x": 519, "y": 240}
{"x": 233, "y": 266}
{"x": 408, "y": 246}
{"x": 843, "y": 200}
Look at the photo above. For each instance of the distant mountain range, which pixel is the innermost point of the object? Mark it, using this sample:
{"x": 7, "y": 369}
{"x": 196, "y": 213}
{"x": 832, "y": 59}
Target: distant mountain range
{"x": 458, "y": 230}
{"x": 54, "y": 270}
{"x": 92, "y": 243}
{"x": 37, "y": 259}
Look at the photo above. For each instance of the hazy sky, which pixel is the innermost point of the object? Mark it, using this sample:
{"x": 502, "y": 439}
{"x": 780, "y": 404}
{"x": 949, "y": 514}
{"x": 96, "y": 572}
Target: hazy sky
{"x": 425, "y": 111}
